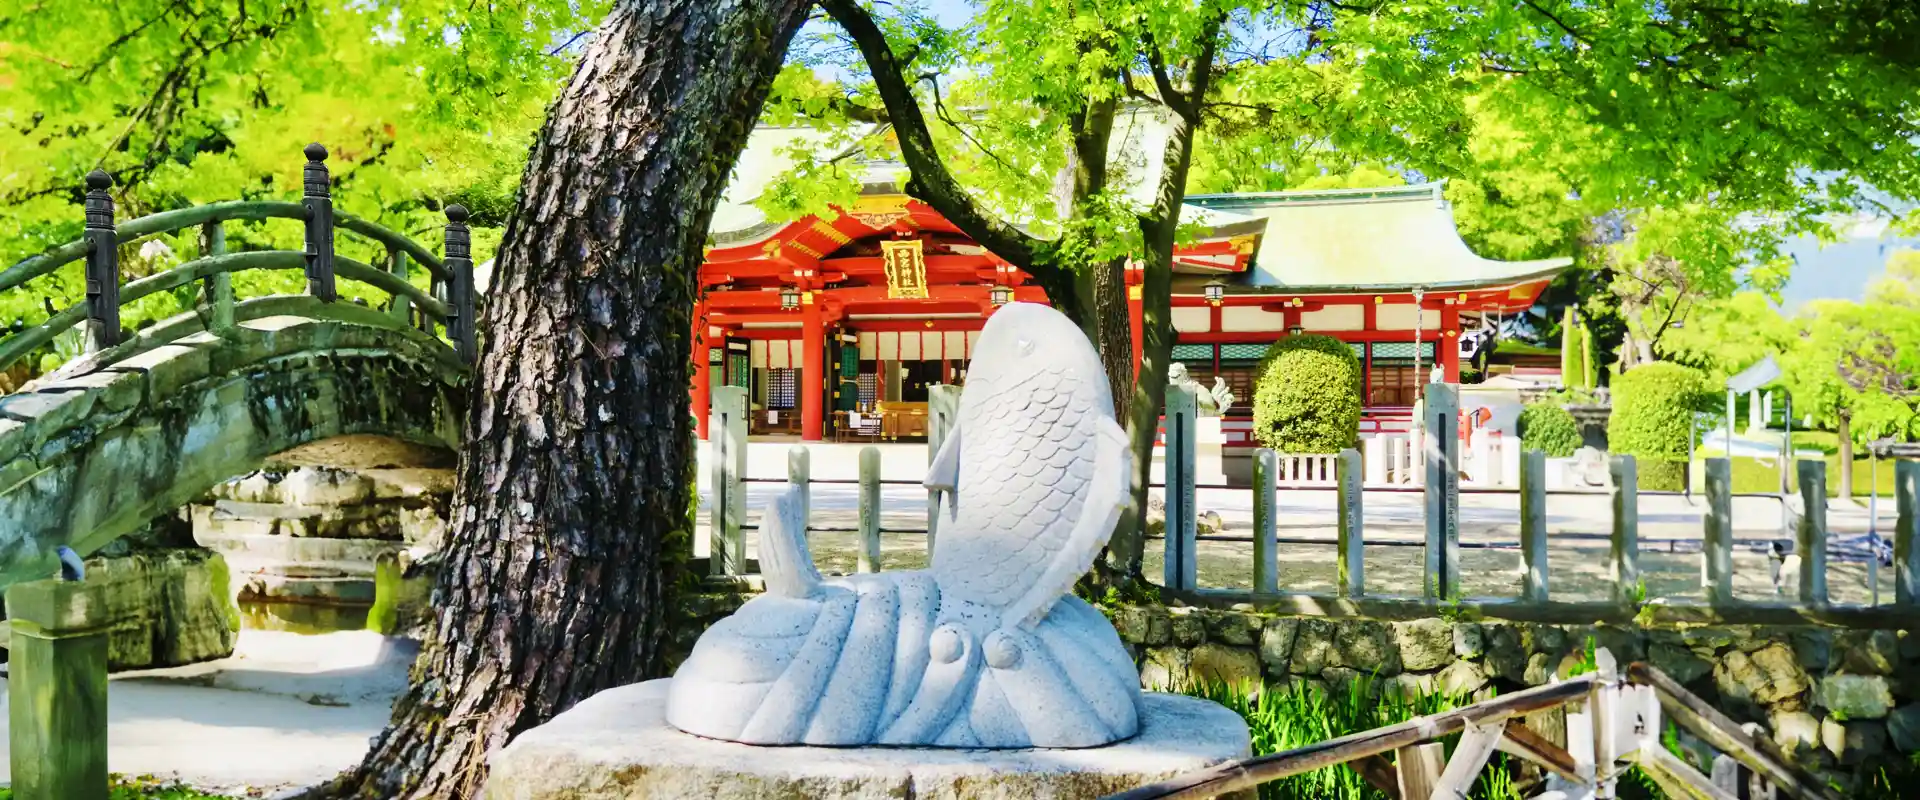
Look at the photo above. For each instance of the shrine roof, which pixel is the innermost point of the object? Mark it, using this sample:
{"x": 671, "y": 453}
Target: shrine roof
{"x": 1365, "y": 239}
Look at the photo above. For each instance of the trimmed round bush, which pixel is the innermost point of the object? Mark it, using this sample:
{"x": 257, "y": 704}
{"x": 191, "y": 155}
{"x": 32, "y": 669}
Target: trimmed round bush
{"x": 1550, "y": 429}
{"x": 1652, "y": 418}
{"x": 1307, "y": 399}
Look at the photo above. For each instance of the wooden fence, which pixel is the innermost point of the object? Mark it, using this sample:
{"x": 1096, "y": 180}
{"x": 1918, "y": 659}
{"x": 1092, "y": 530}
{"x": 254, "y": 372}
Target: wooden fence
{"x": 1613, "y": 722}
{"x": 1626, "y": 598}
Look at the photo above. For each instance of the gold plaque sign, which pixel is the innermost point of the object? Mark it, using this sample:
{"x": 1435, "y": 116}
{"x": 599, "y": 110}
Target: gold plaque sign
{"x": 906, "y": 269}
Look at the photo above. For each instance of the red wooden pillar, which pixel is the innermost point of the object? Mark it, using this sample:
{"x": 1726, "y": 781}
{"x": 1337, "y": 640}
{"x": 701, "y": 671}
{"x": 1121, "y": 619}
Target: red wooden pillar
{"x": 1448, "y": 343}
{"x": 702, "y": 374}
{"x": 1136, "y": 320}
{"x": 813, "y": 341}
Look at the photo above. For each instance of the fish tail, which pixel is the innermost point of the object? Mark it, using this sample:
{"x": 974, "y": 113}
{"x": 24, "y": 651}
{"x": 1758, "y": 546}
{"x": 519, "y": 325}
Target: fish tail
{"x": 785, "y": 561}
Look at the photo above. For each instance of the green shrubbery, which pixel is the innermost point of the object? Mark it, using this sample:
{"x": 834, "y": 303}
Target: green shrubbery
{"x": 1308, "y": 396}
{"x": 144, "y": 787}
{"x": 1300, "y": 713}
{"x": 1652, "y": 420}
{"x": 1549, "y": 428}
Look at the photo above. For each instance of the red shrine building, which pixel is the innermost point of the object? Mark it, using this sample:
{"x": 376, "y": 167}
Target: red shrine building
{"x": 836, "y": 327}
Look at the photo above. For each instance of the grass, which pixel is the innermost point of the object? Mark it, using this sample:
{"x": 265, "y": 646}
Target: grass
{"x": 144, "y": 787}
{"x": 1300, "y": 713}
{"x": 1283, "y": 717}
{"x": 1754, "y": 475}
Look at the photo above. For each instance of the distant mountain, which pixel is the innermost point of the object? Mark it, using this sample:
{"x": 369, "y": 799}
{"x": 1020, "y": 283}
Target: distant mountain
{"x": 1842, "y": 270}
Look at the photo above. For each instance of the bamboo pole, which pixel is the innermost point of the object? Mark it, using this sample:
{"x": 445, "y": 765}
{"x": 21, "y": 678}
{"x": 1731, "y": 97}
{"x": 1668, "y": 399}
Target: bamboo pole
{"x": 1705, "y": 721}
{"x": 1233, "y": 776}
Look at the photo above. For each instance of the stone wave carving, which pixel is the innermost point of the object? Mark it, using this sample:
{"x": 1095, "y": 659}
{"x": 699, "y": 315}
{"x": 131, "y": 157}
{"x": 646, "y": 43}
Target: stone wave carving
{"x": 984, "y": 650}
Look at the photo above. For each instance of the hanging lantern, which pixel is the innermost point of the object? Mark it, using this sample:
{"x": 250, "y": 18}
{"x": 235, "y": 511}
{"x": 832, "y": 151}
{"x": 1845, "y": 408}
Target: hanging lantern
{"x": 1295, "y": 330}
{"x": 1001, "y": 295}
{"x": 1215, "y": 291}
{"x": 789, "y": 298}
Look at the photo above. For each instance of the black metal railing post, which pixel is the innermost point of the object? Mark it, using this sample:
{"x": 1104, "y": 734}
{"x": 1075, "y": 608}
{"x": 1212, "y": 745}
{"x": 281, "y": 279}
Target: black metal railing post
{"x": 318, "y": 199}
{"x": 103, "y": 264}
{"x": 460, "y": 301}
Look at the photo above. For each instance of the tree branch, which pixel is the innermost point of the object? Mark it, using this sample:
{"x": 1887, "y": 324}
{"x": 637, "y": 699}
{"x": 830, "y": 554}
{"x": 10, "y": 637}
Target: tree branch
{"x": 931, "y": 181}
{"x": 1169, "y": 96}
{"x": 1558, "y": 23}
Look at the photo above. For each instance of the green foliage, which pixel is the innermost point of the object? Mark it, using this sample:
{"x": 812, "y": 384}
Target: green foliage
{"x": 1570, "y": 350}
{"x": 185, "y": 102}
{"x": 1307, "y": 398}
{"x": 144, "y": 787}
{"x": 1589, "y": 360}
{"x": 1549, "y": 428}
{"x": 1661, "y": 476}
{"x": 1653, "y": 407}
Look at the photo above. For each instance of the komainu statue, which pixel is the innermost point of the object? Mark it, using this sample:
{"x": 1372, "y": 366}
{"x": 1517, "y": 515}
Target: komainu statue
{"x": 1213, "y": 402}
{"x": 987, "y": 649}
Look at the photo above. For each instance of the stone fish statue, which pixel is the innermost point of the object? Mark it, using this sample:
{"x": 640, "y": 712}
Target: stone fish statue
{"x": 987, "y": 649}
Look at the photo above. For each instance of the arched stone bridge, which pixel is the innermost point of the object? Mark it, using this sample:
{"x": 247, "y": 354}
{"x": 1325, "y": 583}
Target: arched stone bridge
{"x": 146, "y": 423}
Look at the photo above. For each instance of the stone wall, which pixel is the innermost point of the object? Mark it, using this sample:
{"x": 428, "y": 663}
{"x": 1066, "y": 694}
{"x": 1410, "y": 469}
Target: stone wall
{"x": 170, "y": 602}
{"x": 169, "y": 607}
{"x": 1831, "y": 697}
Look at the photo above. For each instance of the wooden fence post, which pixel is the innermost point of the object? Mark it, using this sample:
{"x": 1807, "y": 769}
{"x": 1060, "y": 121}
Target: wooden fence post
{"x": 1418, "y": 768}
{"x": 57, "y": 717}
{"x": 1533, "y": 525}
{"x": 943, "y": 409}
{"x": 1351, "y": 562}
{"x": 869, "y": 509}
{"x": 460, "y": 302}
{"x": 727, "y": 555}
{"x": 397, "y": 264}
{"x": 1906, "y": 559}
{"x": 1442, "y": 491}
{"x": 319, "y": 203}
{"x": 1181, "y": 573}
{"x": 1266, "y": 556}
{"x": 799, "y": 476}
{"x": 219, "y": 286}
{"x": 1811, "y": 541}
{"x": 1624, "y": 557}
{"x": 103, "y": 264}
{"x": 1716, "y": 553}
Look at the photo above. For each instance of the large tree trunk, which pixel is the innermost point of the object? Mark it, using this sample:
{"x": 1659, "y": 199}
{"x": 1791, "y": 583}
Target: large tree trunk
{"x": 571, "y": 521}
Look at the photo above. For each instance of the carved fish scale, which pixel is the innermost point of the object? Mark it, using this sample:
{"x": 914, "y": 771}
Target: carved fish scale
{"x": 1026, "y": 457}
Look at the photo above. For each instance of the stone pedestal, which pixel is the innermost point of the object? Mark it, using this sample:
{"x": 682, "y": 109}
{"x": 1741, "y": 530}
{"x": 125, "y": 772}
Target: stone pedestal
{"x": 57, "y": 690}
{"x": 617, "y": 744}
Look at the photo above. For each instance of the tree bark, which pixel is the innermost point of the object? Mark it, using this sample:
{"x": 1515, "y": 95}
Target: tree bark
{"x": 1159, "y": 229}
{"x": 571, "y": 521}
{"x": 1843, "y": 430}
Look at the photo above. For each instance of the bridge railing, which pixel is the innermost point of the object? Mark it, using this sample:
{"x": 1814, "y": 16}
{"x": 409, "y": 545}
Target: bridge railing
{"x": 105, "y": 294}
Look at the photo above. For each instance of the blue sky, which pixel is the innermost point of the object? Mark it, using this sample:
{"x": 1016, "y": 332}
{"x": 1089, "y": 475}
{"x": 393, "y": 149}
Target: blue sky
{"x": 1840, "y": 270}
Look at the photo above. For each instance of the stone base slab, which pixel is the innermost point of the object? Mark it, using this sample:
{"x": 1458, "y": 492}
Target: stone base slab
{"x": 617, "y": 744}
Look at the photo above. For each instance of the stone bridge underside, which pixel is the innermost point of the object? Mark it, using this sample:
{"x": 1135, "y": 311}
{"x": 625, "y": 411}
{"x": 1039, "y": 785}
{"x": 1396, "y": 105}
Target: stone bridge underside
{"x": 94, "y": 451}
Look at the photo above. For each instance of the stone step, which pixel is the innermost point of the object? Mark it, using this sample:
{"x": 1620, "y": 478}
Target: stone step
{"x": 397, "y": 522}
{"x": 254, "y": 549}
{"x": 271, "y": 587}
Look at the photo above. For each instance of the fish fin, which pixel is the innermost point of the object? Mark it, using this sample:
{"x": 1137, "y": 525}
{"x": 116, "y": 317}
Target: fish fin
{"x": 785, "y": 561}
{"x": 944, "y": 473}
{"x": 1106, "y": 497}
